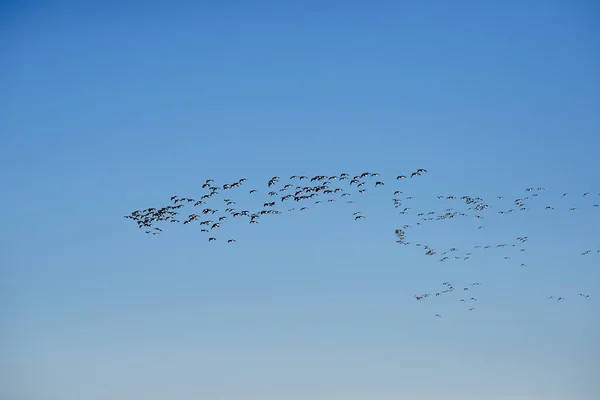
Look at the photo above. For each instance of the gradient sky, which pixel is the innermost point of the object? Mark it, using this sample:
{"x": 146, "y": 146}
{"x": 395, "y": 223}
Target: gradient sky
{"x": 108, "y": 109}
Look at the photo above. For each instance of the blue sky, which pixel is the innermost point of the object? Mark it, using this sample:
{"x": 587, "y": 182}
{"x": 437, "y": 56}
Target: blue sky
{"x": 113, "y": 108}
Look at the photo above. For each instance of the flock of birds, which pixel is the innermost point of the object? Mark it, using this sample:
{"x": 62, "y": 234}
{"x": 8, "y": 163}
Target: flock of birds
{"x": 301, "y": 193}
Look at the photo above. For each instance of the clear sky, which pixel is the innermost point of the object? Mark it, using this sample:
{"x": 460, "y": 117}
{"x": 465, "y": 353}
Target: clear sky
{"x": 109, "y": 109}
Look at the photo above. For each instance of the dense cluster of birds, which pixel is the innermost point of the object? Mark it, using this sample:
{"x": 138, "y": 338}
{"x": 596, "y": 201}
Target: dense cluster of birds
{"x": 317, "y": 188}
{"x": 302, "y": 192}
